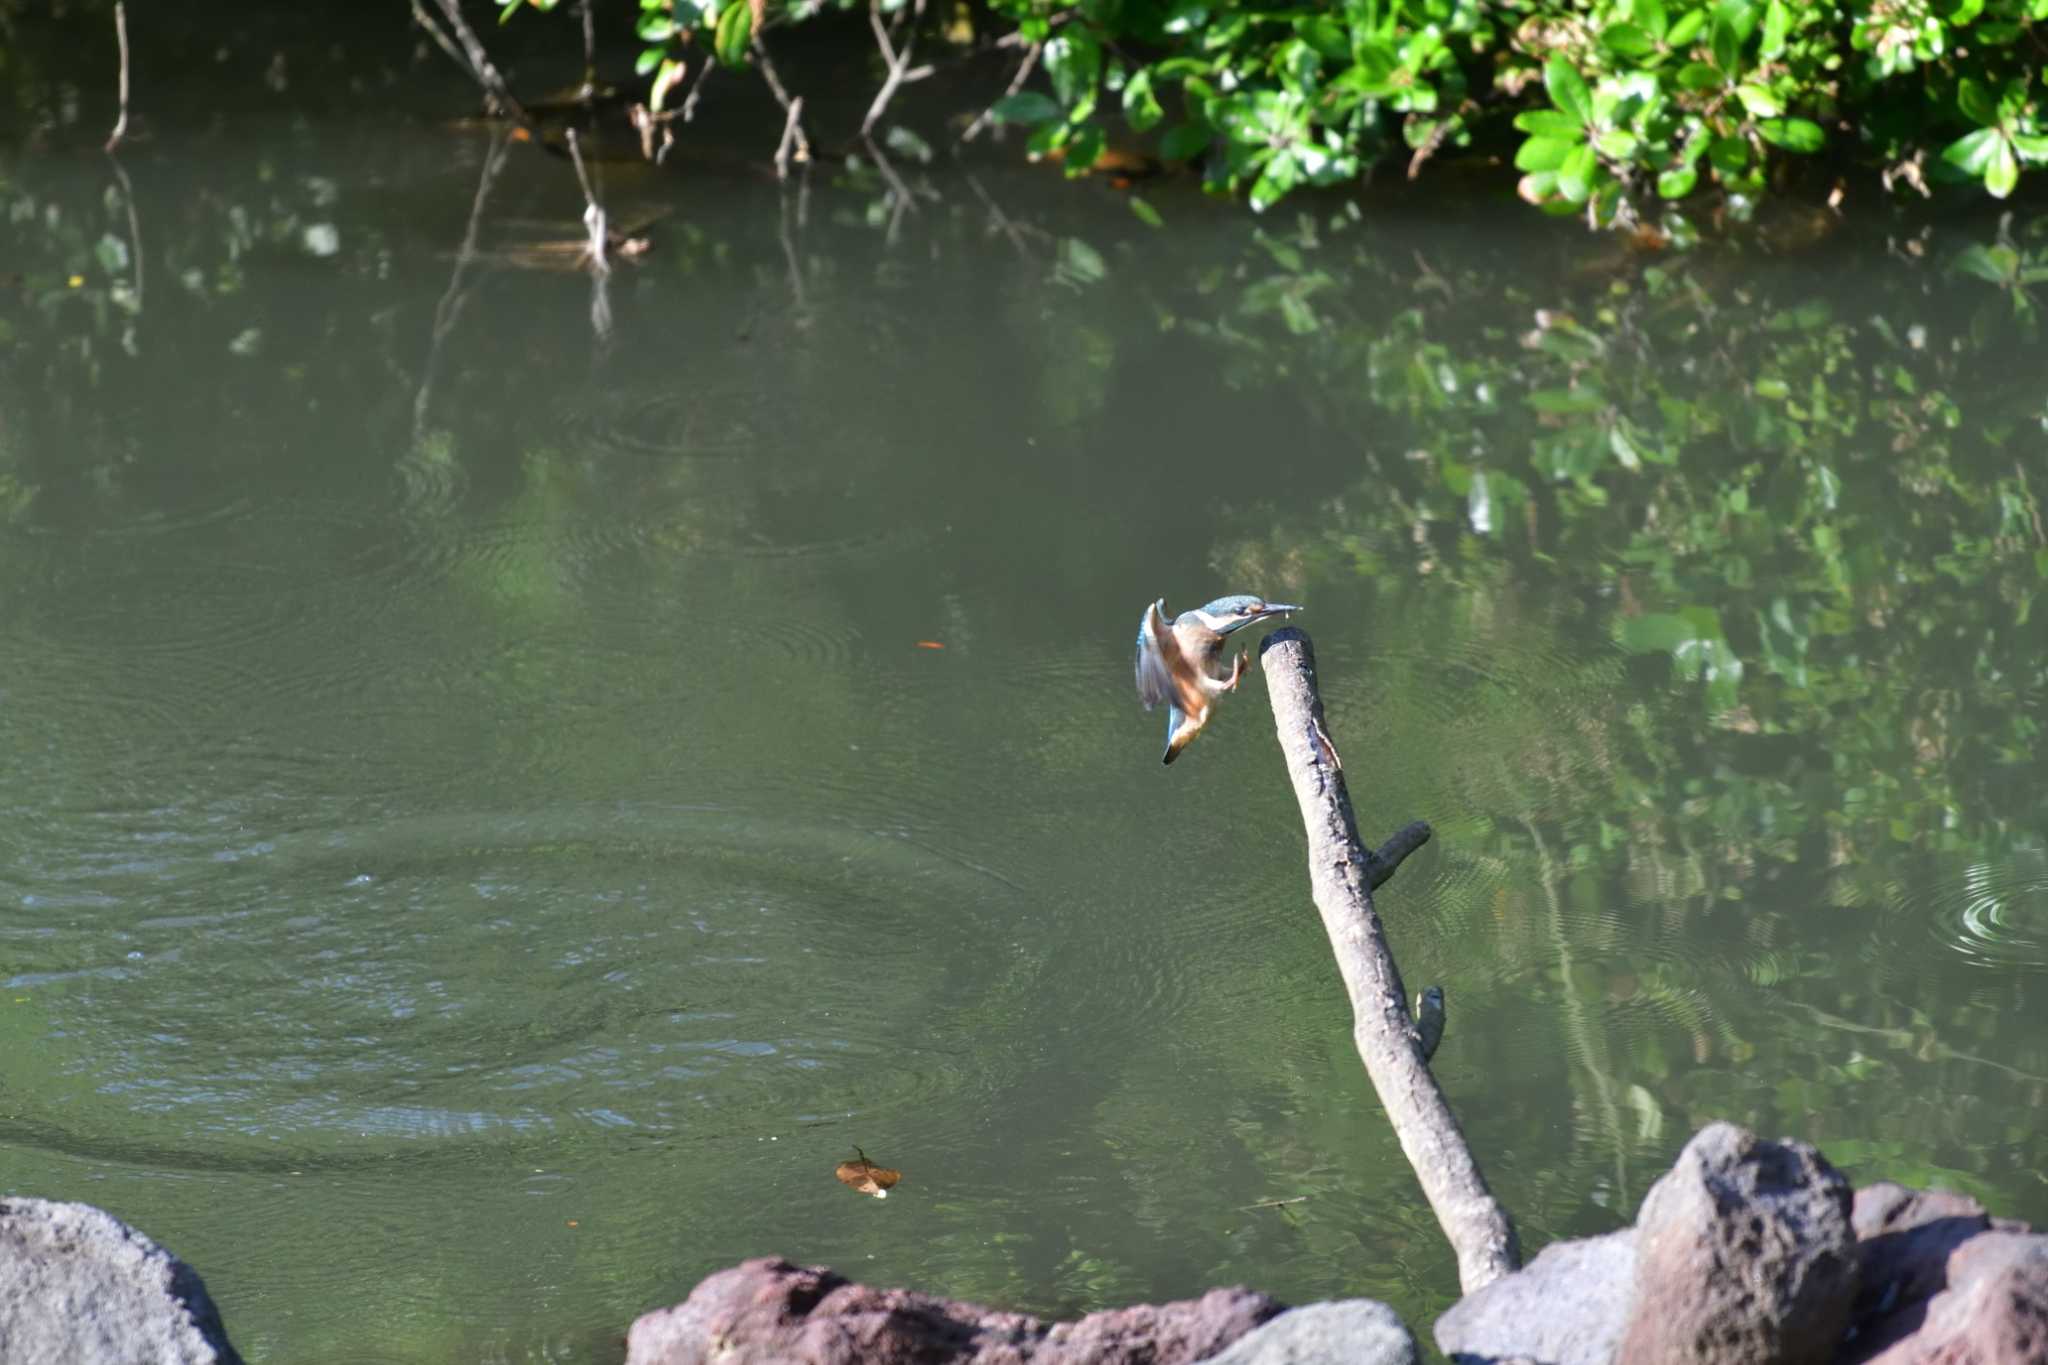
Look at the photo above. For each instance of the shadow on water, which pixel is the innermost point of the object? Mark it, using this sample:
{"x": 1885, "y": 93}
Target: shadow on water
{"x": 504, "y": 811}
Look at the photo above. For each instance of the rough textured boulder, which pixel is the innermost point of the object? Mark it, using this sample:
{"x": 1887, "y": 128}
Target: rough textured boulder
{"x": 78, "y": 1285}
{"x": 1744, "y": 1254}
{"x": 1993, "y": 1310}
{"x": 1566, "y": 1307}
{"x": 769, "y": 1310}
{"x": 1344, "y": 1332}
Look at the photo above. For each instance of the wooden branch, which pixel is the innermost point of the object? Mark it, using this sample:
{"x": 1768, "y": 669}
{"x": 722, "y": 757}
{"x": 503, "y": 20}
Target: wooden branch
{"x": 986, "y": 116}
{"x": 898, "y": 61}
{"x": 1342, "y": 876}
{"x": 121, "y": 34}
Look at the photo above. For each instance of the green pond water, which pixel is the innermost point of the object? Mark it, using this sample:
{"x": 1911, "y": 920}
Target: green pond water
{"x": 485, "y": 829}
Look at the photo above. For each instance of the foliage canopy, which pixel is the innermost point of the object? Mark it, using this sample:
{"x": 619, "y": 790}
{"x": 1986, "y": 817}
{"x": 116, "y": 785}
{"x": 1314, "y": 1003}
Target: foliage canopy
{"x": 1610, "y": 108}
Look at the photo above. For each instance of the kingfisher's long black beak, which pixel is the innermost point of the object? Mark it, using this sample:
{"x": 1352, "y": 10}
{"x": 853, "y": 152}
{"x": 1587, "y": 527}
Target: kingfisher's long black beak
{"x": 1272, "y": 610}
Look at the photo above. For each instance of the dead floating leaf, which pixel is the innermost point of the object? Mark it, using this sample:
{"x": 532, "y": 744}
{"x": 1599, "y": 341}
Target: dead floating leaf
{"x": 930, "y": 644}
{"x": 866, "y": 1176}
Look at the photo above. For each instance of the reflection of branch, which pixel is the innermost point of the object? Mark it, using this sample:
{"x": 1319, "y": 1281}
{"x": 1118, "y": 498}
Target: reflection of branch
{"x": 121, "y": 124}
{"x": 1016, "y": 83}
{"x": 452, "y": 299}
{"x": 796, "y": 273}
{"x": 1388, "y": 1038}
{"x": 1001, "y": 219}
{"x": 793, "y": 125}
{"x": 899, "y": 62}
{"x": 899, "y": 191}
{"x": 134, "y": 226}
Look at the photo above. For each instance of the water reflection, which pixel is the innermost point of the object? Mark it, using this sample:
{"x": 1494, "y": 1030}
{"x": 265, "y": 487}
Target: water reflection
{"x": 483, "y": 810}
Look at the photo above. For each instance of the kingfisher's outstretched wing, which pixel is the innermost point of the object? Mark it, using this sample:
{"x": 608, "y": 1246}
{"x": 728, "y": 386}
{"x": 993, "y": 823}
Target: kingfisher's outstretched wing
{"x": 1155, "y": 646}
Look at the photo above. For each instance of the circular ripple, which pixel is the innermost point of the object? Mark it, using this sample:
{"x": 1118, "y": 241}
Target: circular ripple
{"x": 1994, "y": 913}
{"x": 398, "y": 989}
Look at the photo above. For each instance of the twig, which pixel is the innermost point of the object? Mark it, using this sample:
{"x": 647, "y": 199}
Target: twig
{"x": 476, "y": 60}
{"x": 792, "y": 137}
{"x": 589, "y": 90}
{"x": 793, "y": 127}
{"x": 1388, "y": 1038}
{"x": 899, "y": 62}
{"x": 600, "y": 268}
{"x": 1273, "y": 1203}
{"x": 689, "y": 109}
{"x": 121, "y": 33}
{"x": 1024, "y": 69}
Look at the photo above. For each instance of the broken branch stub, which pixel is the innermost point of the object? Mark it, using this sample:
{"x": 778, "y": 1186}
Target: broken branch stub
{"x": 1342, "y": 875}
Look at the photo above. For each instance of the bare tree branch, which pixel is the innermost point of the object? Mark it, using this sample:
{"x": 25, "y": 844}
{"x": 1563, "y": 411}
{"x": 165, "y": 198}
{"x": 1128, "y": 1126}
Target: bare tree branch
{"x": 121, "y": 33}
{"x": 1024, "y": 69}
{"x": 1389, "y": 1039}
{"x": 793, "y": 126}
{"x": 899, "y": 61}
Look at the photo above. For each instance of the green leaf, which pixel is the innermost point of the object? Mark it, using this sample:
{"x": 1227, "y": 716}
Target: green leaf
{"x": 1026, "y": 106}
{"x": 1730, "y": 155}
{"x": 1628, "y": 40}
{"x": 1073, "y": 58}
{"x": 1777, "y": 24}
{"x": 1976, "y": 103}
{"x": 1141, "y": 106}
{"x": 1567, "y": 89}
{"x": 1543, "y": 154}
{"x": 2030, "y": 146}
{"x": 1650, "y": 14}
{"x": 1186, "y": 141}
{"x": 1552, "y": 124}
{"x": 2003, "y": 173}
{"x": 1575, "y": 176}
{"x": 735, "y": 27}
{"x": 649, "y": 58}
{"x": 1676, "y": 184}
{"x": 1793, "y": 134}
{"x": 1760, "y": 102}
{"x": 1972, "y": 151}
{"x": 1992, "y": 264}
{"x": 1726, "y": 42}
{"x": 1698, "y": 76}
{"x": 1145, "y": 213}
{"x": 1281, "y": 175}
{"x": 1085, "y": 147}
{"x": 1687, "y": 28}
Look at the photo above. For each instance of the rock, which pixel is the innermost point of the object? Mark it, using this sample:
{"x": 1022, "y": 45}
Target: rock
{"x": 1903, "y": 1241}
{"x": 1993, "y": 1311}
{"x": 1566, "y": 1307}
{"x": 1744, "y": 1254}
{"x": 80, "y": 1286}
{"x": 768, "y": 1310}
{"x": 1346, "y": 1332}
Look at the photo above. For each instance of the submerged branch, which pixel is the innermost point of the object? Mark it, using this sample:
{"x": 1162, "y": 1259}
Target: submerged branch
{"x": 1342, "y": 876}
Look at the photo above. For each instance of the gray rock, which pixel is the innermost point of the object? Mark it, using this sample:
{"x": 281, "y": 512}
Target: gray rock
{"x": 1744, "y": 1256}
{"x": 1344, "y": 1332}
{"x": 1993, "y": 1311}
{"x": 1566, "y": 1307}
{"x": 80, "y": 1287}
{"x": 768, "y": 1310}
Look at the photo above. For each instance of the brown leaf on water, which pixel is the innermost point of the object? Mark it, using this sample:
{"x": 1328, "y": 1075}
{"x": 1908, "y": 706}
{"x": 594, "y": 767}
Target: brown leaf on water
{"x": 930, "y": 644}
{"x": 865, "y": 1176}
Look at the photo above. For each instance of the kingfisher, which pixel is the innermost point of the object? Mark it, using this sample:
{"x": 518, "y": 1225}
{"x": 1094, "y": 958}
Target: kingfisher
{"x": 1180, "y": 660}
